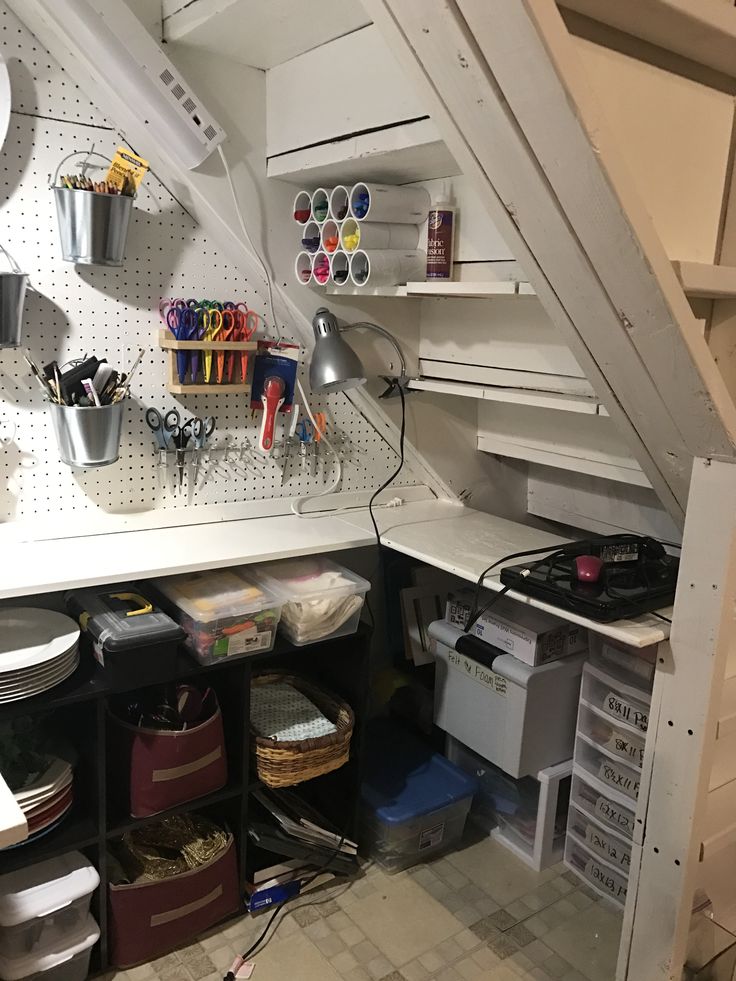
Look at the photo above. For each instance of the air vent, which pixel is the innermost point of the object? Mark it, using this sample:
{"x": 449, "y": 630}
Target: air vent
{"x": 210, "y": 132}
{"x": 177, "y": 91}
{"x": 166, "y": 77}
{"x": 189, "y": 105}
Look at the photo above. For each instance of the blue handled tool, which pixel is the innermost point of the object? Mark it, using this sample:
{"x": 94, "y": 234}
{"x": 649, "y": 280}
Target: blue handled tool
{"x": 183, "y": 322}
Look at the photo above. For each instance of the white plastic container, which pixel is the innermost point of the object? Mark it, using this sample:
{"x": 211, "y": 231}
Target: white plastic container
{"x": 223, "y": 614}
{"x": 617, "y": 700}
{"x": 64, "y": 956}
{"x": 601, "y": 876}
{"x": 609, "y": 846}
{"x": 631, "y": 666}
{"x": 519, "y": 717}
{"x": 330, "y": 238}
{"x": 35, "y": 901}
{"x": 386, "y": 267}
{"x": 356, "y": 234}
{"x": 320, "y": 599}
{"x": 612, "y": 810}
{"x": 311, "y": 237}
{"x": 386, "y": 202}
{"x": 339, "y": 268}
{"x": 339, "y": 202}
{"x": 604, "y": 767}
{"x": 302, "y": 207}
{"x": 616, "y": 738}
{"x": 303, "y": 268}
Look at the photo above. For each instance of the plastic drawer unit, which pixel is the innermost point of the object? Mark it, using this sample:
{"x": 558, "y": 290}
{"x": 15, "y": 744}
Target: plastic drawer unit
{"x": 599, "y": 875}
{"x": 64, "y": 956}
{"x": 518, "y": 717}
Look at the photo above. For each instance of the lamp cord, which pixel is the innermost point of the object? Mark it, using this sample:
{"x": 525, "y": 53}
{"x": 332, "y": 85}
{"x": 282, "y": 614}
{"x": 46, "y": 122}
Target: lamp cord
{"x": 395, "y": 474}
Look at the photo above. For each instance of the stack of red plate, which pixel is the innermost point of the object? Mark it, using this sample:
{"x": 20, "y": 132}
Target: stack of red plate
{"x": 47, "y": 799}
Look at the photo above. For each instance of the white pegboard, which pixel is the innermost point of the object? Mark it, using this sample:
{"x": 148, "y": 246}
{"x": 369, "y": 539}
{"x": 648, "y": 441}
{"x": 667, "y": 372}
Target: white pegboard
{"x": 112, "y": 312}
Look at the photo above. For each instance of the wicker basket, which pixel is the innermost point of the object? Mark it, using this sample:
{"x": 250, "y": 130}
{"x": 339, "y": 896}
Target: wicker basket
{"x": 283, "y": 764}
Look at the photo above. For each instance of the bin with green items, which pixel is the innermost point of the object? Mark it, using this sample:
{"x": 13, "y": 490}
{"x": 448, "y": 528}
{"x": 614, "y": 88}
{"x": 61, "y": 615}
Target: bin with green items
{"x": 224, "y": 615}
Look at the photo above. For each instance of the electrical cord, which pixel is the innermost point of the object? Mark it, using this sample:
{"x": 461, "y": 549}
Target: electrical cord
{"x": 296, "y": 506}
{"x": 249, "y": 240}
{"x": 395, "y": 474}
{"x": 231, "y": 974}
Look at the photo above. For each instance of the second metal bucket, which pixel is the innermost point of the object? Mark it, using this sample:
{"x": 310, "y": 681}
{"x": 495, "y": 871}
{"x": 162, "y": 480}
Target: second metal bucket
{"x": 12, "y": 297}
{"x": 93, "y": 227}
{"x": 88, "y": 436}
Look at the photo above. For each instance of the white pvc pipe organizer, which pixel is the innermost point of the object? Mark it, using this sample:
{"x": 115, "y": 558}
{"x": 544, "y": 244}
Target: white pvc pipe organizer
{"x": 356, "y": 234}
{"x": 339, "y": 202}
{"x": 311, "y": 236}
{"x": 302, "y": 205}
{"x": 340, "y": 268}
{"x": 387, "y": 267}
{"x": 386, "y": 202}
{"x": 330, "y": 235}
{"x": 303, "y": 268}
{"x": 321, "y": 268}
{"x": 321, "y": 204}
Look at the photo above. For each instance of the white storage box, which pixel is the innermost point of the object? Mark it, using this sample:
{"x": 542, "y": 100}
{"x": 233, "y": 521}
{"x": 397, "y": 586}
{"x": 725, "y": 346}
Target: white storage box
{"x": 533, "y": 636}
{"x": 321, "y": 599}
{"x": 36, "y": 900}
{"x": 598, "y": 802}
{"x": 609, "y": 846}
{"x": 518, "y": 717}
{"x": 527, "y": 816}
{"x": 602, "y": 877}
{"x": 64, "y": 956}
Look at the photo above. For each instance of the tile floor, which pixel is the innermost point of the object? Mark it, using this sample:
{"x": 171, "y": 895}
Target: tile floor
{"x": 477, "y": 914}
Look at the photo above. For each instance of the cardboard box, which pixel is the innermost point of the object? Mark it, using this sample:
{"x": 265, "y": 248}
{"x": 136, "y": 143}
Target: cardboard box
{"x": 531, "y": 635}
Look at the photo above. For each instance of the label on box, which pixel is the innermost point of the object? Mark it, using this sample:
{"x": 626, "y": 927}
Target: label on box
{"x": 619, "y": 778}
{"x": 621, "y": 746}
{"x": 614, "y": 815}
{"x": 605, "y": 880}
{"x": 98, "y": 652}
{"x": 618, "y": 706}
{"x": 431, "y": 836}
{"x": 478, "y": 672}
{"x": 608, "y": 847}
{"x": 249, "y": 641}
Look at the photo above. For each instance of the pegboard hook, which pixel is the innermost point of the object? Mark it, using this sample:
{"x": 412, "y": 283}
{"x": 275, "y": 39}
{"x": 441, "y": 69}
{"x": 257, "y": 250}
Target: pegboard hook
{"x": 84, "y": 167}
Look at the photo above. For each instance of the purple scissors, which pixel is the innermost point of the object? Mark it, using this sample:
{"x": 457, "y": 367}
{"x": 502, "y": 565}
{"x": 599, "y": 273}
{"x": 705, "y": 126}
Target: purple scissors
{"x": 183, "y": 322}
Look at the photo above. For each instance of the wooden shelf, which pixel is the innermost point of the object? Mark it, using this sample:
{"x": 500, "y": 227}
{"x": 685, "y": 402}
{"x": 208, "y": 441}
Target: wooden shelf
{"x": 203, "y": 388}
{"x": 168, "y": 342}
{"x": 519, "y": 396}
{"x": 469, "y": 290}
{"x": 699, "y": 279}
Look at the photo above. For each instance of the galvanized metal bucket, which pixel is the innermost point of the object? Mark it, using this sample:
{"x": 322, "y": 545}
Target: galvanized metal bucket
{"x": 93, "y": 227}
{"x": 12, "y": 298}
{"x": 88, "y": 436}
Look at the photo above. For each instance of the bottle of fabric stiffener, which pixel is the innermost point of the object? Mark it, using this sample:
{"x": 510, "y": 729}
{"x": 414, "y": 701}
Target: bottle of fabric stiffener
{"x": 440, "y": 238}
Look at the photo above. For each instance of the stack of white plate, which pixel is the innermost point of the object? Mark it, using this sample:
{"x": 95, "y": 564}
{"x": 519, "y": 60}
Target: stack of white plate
{"x": 38, "y": 649}
{"x": 47, "y": 798}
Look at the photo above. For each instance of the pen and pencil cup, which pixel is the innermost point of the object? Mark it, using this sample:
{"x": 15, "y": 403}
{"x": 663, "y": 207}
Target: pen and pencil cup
{"x": 13, "y": 286}
{"x": 93, "y": 226}
{"x": 88, "y": 436}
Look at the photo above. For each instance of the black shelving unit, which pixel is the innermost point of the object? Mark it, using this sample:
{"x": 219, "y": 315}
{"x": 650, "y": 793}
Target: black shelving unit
{"x": 98, "y": 814}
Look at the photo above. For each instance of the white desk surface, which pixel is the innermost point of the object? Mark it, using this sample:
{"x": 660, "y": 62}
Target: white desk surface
{"x": 465, "y": 542}
{"x": 441, "y": 533}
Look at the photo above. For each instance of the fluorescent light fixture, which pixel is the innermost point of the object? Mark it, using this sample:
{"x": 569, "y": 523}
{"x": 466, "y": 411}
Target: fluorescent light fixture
{"x": 114, "y": 58}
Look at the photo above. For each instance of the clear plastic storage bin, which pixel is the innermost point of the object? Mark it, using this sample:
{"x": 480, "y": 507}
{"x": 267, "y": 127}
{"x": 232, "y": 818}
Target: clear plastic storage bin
{"x": 64, "y": 956}
{"x": 414, "y": 802}
{"x": 223, "y": 614}
{"x": 609, "y": 846}
{"x": 632, "y": 666}
{"x": 38, "y": 900}
{"x": 320, "y": 598}
{"x": 596, "y": 873}
{"x": 613, "y": 697}
{"x": 604, "y": 807}
{"x": 610, "y": 772}
{"x": 617, "y": 738}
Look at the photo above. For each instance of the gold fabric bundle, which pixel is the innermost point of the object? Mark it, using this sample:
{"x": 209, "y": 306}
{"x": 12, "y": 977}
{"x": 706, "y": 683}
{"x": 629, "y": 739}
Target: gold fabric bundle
{"x": 169, "y": 847}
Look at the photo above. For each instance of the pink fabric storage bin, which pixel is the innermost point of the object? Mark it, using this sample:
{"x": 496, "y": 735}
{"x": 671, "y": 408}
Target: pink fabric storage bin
{"x": 169, "y": 768}
{"x": 149, "y": 919}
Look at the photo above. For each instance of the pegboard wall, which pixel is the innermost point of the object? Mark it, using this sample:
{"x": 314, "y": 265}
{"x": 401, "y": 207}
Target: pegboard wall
{"x": 111, "y": 312}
